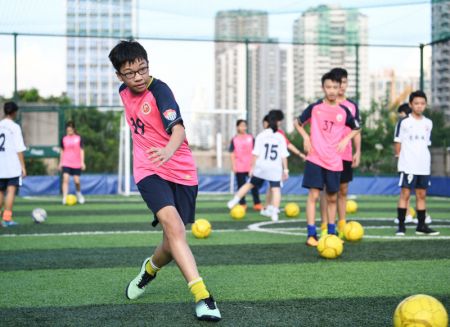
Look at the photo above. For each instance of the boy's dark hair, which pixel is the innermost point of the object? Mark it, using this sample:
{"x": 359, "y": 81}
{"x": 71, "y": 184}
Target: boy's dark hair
{"x": 330, "y": 76}
{"x": 239, "y": 121}
{"x": 417, "y": 94}
{"x": 127, "y": 52}
{"x": 10, "y": 107}
{"x": 339, "y": 72}
{"x": 70, "y": 123}
{"x": 404, "y": 108}
{"x": 272, "y": 119}
{"x": 278, "y": 114}
{"x": 266, "y": 118}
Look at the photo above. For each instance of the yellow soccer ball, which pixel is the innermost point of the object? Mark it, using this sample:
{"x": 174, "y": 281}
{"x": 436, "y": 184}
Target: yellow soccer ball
{"x": 292, "y": 210}
{"x": 238, "y": 212}
{"x": 71, "y": 200}
{"x": 351, "y": 206}
{"x": 420, "y": 310}
{"x": 201, "y": 228}
{"x": 412, "y": 212}
{"x": 353, "y": 231}
{"x": 330, "y": 246}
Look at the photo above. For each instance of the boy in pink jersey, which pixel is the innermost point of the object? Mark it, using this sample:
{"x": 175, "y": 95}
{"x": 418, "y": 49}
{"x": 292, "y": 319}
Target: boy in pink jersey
{"x": 71, "y": 161}
{"x": 241, "y": 147}
{"x": 350, "y": 160}
{"x": 164, "y": 171}
{"x": 323, "y": 166}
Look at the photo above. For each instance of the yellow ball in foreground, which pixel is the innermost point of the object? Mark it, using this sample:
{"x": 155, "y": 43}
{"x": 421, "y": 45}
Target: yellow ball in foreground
{"x": 353, "y": 231}
{"x": 292, "y": 210}
{"x": 420, "y": 310}
{"x": 238, "y": 212}
{"x": 351, "y": 206}
{"x": 201, "y": 228}
{"x": 71, "y": 200}
{"x": 330, "y": 246}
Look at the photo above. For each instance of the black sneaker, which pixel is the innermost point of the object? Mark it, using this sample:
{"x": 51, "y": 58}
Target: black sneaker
{"x": 425, "y": 230}
{"x": 401, "y": 231}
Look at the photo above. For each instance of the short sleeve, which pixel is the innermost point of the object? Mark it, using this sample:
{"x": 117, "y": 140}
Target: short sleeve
{"x": 257, "y": 147}
{"x": 397, "y": 135}
{"x": 350, "y": 121}
{"x": 61, "y": 143}
{"x": 429, "y": 135}
{"x": 231, "y": 147}
{"x": 81, "y": 143}
{"x": 305, "y": 115}
{"x": 167, "y": 106}
{"x": 18, "y": 140}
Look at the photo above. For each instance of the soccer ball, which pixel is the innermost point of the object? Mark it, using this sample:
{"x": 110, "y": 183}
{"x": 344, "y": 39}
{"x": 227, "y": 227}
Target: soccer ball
{"x": 238, "y": 212}
{"x": 351, "y": 206}
{"x": 201, "y": 228}
{"x": 39, "y": 215}
{"x": 292, "y": 210}
{"x": 330, "y": 246}
{"x": 353, "y": 231}
{"x": 420, "y": 310}
{"x": 71, "y": 200}
{"x": 412, "y": 212}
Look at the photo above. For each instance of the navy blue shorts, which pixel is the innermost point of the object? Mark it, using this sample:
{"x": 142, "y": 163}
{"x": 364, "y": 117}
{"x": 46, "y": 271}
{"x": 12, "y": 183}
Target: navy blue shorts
{"x": 72, "y": 171}
{"x": 159, "y": 193}
{"x": 347, "y": 173}
{"x": 414, "y": 181}
{"x": 318, "y": 177}
{"x": 5, "y": 182}
{"x": 258, "y": 182}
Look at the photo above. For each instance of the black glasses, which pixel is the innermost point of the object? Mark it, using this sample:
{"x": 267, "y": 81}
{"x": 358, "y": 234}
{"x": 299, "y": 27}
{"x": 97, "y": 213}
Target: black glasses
{"x": 132, "y": 74}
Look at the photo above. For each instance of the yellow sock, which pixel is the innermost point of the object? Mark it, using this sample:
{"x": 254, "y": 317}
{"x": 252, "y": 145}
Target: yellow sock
{"x": 341, "y": 225}
{"x": 151, "y": 268}
{"x": 198, "y": 289}
{"x": 324, "y": 226}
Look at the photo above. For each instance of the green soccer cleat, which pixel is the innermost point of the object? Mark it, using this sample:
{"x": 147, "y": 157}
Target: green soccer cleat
{"x": 207, "y": 310}
{"x": 137, "y": 286}
{"x": 323, "y": 232}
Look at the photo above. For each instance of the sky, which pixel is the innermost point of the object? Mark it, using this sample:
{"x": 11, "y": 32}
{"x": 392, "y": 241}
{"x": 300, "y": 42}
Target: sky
{"x": 188, "y": 66}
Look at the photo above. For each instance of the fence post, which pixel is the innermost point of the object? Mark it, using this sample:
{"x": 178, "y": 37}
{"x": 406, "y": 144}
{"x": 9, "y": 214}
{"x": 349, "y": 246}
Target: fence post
{"x": 15, "y": 95}
{"x": 357, "y": 72}
{"x": 247, "y": 87}
{"x": 421, "y": 67}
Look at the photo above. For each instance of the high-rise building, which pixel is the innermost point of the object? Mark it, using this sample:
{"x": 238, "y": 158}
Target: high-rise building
{"x": 440, "y": 60}
{"x": 330, "y": 33}
{"x": 90, "y": 79}
{"x": 250, "y": 78}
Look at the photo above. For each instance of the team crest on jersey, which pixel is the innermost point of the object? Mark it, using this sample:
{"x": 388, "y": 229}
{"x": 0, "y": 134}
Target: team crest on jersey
{"x": 339, "y": 117}
{"x": 146, "y": 109}
{"x": 170, "y": 114}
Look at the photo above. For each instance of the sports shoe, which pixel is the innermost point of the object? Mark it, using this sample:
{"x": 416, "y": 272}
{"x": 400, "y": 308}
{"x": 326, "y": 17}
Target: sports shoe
{"x": 400, "y": 231}
{"x": 232, "y": 203}
{"x": 425, "y": 230}
{"x": 64, "y": 201}
{"x": 323, "y": 232}
{"x": 312, "y": 241}
{"x": 274, "y": 216}
{"x": 266, "y": 212}
{"x": 207, "y": 310}
{"x": 427, "y": 220}
{"x": 408, "y": 220}
{"x": 137, "y": 286}
{"x": 80, "y": 198}
{"x": 9, "y": 223}
{"x": 257, "y": 207}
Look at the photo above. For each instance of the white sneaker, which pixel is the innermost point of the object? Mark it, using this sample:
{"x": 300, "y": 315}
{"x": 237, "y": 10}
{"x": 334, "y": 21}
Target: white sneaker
{"x": 409, "y": 219}
{"x": 232, "y": 203}
{"x": 137, "y": 286}
{"x": 266, "y": 212}
{"x": 64, "y": 201}
{"x": 80, "y": 198}
{"x": 428, "y": 220}
{"x": 274, "y": 216}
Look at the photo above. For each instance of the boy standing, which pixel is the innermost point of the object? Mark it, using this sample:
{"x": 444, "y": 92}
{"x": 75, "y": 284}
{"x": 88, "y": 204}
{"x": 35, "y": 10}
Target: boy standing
{"x": 412, "y": 139}
{"x": 164, "y": 171}
{"x": 350, "y": 160}
{"x": 323, "y": 166}
{"x": 12, "y": 161}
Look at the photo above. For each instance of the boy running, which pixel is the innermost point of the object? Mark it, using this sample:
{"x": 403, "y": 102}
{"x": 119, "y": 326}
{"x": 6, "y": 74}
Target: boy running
{"x": 164, "y": 171}
{"x": 324, "y": 149}
{"x": 12, "y": 161}
{"x": 412, "y": 139}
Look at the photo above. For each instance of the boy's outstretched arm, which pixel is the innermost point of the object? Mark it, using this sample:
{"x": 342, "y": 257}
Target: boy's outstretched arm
{"x": 159, "y": 156}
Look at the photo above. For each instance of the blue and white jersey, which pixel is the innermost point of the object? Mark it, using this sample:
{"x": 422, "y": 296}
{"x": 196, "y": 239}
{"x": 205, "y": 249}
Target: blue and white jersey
{"x": 415, "y": 138}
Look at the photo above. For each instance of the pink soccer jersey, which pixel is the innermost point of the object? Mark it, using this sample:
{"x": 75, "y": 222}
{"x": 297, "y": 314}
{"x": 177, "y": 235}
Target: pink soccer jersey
{"x": 151, "y": 116}
{"x": 71, "y": 145}
{"x": 347, "y": 155}
{"x": 242, "y": 146}
{"x": 327, "y": 130}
